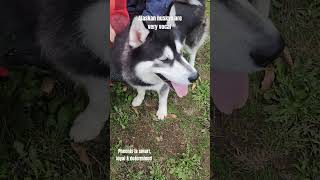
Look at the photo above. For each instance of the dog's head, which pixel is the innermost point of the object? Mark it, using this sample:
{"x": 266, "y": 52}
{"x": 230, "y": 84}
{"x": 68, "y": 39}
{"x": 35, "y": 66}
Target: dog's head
{"x": 245, "y": 40}
{"x": 157, "y": 56}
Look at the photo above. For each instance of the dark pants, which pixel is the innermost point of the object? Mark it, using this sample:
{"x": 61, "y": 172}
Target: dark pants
{"x": 148, "y": 7}
{"x": 136, "y": 7}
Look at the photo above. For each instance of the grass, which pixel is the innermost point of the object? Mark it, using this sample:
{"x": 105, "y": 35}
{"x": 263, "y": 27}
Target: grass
{"x": 34, "y": 128}
{"x": 179, "y": 145}
{"x": 170, "y": 140}
{"x": 185, "y": 166}
{"x": 276, "y": 135}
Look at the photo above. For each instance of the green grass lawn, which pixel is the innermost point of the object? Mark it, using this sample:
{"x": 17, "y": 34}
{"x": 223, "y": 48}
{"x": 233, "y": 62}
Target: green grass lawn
{"x": 179, "y": 145}
{"x": 277, "y": 134}
{"x": 34, "y": 127}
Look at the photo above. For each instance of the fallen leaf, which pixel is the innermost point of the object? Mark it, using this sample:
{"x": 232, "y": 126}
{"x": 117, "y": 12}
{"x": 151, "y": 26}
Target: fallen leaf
{"x": 47, "y": 85}
{"x": 193, "y": 86}
{"x": 159, "y": 139}
{"x": 172, "y": 116}
{"x": 82, "y": 152}
{"x": 268, "y": 79}
{"x": 286, "y": 57}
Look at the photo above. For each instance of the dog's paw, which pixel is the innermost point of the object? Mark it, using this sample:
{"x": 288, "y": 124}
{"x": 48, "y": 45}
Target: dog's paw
{"x": 161, "y": 114}
{"x": 85, "y": 128}
{"x": 137, "y": 101}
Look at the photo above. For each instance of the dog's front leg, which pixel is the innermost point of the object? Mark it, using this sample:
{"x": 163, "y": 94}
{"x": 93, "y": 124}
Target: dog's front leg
{"x": 90, "y": 122}
{"x": 163, "y": 101}
{"x": 139, "y": 98}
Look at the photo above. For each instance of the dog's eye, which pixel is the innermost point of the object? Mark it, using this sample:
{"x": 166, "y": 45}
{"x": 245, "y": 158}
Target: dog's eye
{"x": 164, "y": 59}
{"x": 167, "y": 60}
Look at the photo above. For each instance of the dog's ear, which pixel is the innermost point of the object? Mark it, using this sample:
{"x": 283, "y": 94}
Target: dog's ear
{"x": 138, "y": 33}
{"x": 172, "y": 13}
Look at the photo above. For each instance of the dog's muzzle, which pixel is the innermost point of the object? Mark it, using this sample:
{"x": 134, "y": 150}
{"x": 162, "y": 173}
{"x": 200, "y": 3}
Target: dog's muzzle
{"x": 267, "y": 53}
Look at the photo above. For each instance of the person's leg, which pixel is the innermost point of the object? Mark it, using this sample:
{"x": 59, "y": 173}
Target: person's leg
{"x": 156, "y": 7}
{"x": 119, "y": 17}
{"x": 135, "y": 7}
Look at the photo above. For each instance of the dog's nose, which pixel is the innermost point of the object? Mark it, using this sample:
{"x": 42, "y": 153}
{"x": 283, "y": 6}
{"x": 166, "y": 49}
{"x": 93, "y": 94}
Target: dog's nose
{"x": 265, "y": 54}
{"x": 193, "y": 77}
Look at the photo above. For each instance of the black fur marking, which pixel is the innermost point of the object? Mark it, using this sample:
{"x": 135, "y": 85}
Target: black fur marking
{"x": 240, "y": 12}
{"x": 155, "y": 43}
{"x": 163, "y": 89}
{"x": 168, "y": 61}
{"x": 165, "y": 80}
{"x": 138, "y": 82}
{"x": 52, "y": 28}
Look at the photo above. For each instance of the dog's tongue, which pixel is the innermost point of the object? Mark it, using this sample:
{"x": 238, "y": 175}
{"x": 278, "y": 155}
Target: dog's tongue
{"x": 230, "y": 90}
{"x": 181, "y": 90}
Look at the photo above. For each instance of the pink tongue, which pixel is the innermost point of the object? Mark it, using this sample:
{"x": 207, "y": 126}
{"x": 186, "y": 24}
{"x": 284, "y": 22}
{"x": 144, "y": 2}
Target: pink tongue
{"x": 230, "y": 90}
{"x": 181, "y": 90}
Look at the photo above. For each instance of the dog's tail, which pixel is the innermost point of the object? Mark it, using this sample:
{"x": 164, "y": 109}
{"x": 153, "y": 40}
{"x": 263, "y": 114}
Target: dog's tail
{"x": 191, "y": 2}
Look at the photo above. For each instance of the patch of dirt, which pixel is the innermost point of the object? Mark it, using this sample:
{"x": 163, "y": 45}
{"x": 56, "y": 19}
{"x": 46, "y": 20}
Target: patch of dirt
{"x": 174, "y": 140}
{"x": 205, "y": 162}
{"x": 190, "y": 111}
{"x": 169, "y": 140}
{"x": 140, "y": 136}
{"x": 239, "y": 139}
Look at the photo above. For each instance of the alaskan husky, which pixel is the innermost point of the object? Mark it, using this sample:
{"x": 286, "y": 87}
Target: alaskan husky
{"x": 71, "y": 36}
{"x": 153, "y": 59}
{"x": 244, "y": 41}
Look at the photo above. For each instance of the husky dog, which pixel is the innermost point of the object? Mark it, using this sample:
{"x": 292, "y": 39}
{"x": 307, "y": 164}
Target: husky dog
{"x": 244, "y": 41}
{"x": 72, "y": 36}
{"x": 153, "y": 60}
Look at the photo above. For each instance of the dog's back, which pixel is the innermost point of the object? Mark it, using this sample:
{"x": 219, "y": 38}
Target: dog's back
{"x": 52, "y": 31}
{"x": 18, "y": 15}
{"x": 18, "y": 21}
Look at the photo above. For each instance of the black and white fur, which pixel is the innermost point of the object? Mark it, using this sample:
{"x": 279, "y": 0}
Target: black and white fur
{"x": 244, "y": 38}
{"x": 194, "y": 28}
{"x": 72, "y": 37}
{"x": 153, "y": 60}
